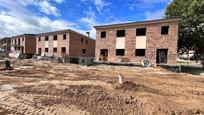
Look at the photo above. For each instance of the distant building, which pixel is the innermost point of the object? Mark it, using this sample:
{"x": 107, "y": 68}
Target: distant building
{"x": 24, "y": 44}
{"x": 5, "y": 45}
{"x": 155, "y": 40}
{"x": 71, "y": 45}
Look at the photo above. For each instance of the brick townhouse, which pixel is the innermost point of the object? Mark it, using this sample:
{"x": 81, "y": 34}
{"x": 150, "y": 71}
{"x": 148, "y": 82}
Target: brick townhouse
{"x": 71, "y": 45}
{"x": 155, "y": 40}
{"x": 25, "y": 44}
{"x": 5, "y": 44}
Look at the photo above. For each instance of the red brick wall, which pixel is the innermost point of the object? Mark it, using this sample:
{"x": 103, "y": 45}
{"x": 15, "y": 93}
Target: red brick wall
{"x": 72, "y": 43}
{"x": 29, "y": 44}
{"x": 76, "y": 46}
{"x": 154, "y": 41}
{"x": 60, "y": 43}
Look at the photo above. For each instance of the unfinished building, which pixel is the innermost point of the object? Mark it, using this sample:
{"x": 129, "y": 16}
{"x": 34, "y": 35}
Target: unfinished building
{"x": 5, "y": 45}
{"x": 155, "y": 40}
{"x": 72, "y": 46}
{"x": 24, "y": 44}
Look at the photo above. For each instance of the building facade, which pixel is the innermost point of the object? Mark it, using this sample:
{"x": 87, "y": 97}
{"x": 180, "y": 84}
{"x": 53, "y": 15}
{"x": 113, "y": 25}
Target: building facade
{"x": 5, "y": 45}
{"x": 25, "y": 44}
{"x": 75, "y": 47}
{"x": 154, "y": 40}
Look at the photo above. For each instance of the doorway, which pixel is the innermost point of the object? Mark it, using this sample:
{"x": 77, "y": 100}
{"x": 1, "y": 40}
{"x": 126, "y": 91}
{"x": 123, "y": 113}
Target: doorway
{"x": 162, "y": 55}
{"x": 104, "y": 55}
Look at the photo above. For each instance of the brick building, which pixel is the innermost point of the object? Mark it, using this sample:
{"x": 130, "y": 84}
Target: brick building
{"x": 71, "y": 45}
{"x": 155, "y": 40}
{"x": 25, "y": 44}
{"x": 5, "y": 45}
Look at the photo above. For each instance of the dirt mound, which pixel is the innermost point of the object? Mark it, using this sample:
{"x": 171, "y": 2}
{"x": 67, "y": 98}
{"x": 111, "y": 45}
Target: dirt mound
{"x": 92, "y": 99}
{"x": 130, "y": 86}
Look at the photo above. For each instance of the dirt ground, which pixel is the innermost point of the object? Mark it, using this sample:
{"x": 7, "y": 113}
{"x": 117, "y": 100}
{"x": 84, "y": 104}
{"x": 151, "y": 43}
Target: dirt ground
{"x": 45, "y": 88}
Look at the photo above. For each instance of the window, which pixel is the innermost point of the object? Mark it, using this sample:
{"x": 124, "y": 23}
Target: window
{"x": 63, "y": 50}
{"x": 83, "y": 51}
{"x": 55, "y": 37}
{"x": 54, "y": 50}
{"x": 64, "y": 37}
{"x": 46, "y": 49}
{"x": 23, "y": 39}
{"x": 120, "y": 52}
{"x": 86, "y": 41}
{"x": 46, "y": 38}
{"x": 82, "y": 40}
{"x": 141, "y": 32}
{"x": 39, "y": 51}
{"x": 103, "y": 34}
{"x": 140, "y": 52}
{"x": 39, "y": 39}
{"x": 164, "y": 30}
{"x": 120, "y": 33}
{"x": 19, "y": 41}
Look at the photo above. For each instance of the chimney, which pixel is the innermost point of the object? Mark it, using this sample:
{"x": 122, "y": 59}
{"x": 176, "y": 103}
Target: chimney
{"x": 88, "y": 34}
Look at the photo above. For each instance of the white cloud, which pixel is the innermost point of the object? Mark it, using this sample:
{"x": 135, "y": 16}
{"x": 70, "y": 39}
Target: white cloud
{"x": 100, "y": 4}
{"x": 59, "y": 1}
{"x": 48, "y": 8}
{"x": 17, "y": 19}
{"x": 90, "y": 20}
{"x": 158, "y": 14}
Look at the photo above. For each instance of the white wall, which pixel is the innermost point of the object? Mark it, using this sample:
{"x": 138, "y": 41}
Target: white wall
{"x": 120, "y": 43}
{"x": 141, "y": 42}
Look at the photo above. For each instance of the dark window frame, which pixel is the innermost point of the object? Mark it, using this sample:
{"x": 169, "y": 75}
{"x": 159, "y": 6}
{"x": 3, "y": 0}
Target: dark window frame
{"x": 55, "y": 37}
{"x": 63, "y": 49}
{"x": 83, "y": 51}
{"x": 46, "y": 50}
{"x": 64, "y": 36}
{"x": 39, "y": 39}
{"x": 140, "y": 52}
{"x": 54, "y": 50}
{"x": 119, "y": 53}
{"x": 164, "y": 30}
{"x": 141, "y": 31}
{"x": 82, "y": 40}
{"x": 120, "y": 33}
{"x": 103, "y": 34}
{"x": 46, "y": 38}
{"x": 40, "y": 51}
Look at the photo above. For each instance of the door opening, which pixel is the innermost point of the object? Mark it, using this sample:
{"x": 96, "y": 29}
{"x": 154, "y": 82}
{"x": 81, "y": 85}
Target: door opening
{"x": 104, "y": 55}
{"x": 162, "y": 55}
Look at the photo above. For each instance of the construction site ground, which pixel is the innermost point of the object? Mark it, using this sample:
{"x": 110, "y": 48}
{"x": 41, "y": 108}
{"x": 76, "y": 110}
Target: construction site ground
{"x": 46, "y": 88}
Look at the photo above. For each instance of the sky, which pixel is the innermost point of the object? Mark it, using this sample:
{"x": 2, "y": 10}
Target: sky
{"x": 38, "y": 16}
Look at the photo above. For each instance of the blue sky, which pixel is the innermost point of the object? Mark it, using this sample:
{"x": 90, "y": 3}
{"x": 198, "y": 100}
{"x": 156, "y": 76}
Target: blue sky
{"x": 36, "y": 16}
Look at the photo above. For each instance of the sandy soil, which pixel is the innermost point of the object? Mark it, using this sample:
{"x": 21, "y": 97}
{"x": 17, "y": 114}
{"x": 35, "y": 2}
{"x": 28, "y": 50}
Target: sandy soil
{"x": 44, "y": 88}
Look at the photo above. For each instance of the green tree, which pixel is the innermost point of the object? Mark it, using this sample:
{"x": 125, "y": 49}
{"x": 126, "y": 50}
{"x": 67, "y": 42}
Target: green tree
{"x": 191, "y": 28}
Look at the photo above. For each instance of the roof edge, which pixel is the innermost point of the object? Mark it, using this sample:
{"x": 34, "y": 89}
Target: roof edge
{"x": 21, "y": 35}
{"x": 139, "y": 23}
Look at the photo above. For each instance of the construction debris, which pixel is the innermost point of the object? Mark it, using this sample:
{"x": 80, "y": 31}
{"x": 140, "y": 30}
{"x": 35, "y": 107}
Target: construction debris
{"x": 120, "y": 78}
{"x": 8, "y": 65}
